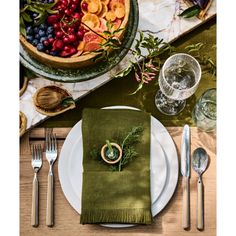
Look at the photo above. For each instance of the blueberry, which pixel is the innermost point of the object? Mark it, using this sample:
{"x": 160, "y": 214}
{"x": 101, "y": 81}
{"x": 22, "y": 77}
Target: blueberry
{"x": 37, "y": 36}
{"x": 50, "y": 1}
{"x": 29, "y": 30}
{"x": 34, "y": 15}
{"x": 41, "y": 33}
{"x": 42, "y": 39}
{"x": 49, "y": 30}
{"x": 53, "y": 53}
{"x": 36, "y": 30}
{"x": 35, "y": 42}
{"x": 29, "y": 38}
{"x": 40, "y": 47}
{"x": 43, "y": 26}
{"x": 50, "y": 36}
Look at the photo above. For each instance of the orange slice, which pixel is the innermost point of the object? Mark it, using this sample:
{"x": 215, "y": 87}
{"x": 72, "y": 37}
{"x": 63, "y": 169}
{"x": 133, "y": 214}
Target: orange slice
{"x": 103, "y": 11}
{"x": 110, "y": 16}
{"x": 118, "y": 9}
{"x": 92, "y": 46}
{"x": 105, "y": 1}
{"x": 81, "y": 46}
{"x": 93, "y": 7}
{"x": 99, "y": 8}
{"x": 91, "y": 20}
{"x": 115, "y": 1}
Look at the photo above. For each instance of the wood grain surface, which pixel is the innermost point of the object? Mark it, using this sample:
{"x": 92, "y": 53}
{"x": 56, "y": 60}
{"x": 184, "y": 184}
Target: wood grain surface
{"x": 167, "y": 223}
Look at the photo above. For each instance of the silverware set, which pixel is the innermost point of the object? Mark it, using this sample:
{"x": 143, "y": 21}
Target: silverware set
{"x": 199, "y": 164}
{"x": 51, "y": 156}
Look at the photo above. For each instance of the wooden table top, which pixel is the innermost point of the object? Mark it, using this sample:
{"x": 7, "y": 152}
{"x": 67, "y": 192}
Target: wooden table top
{"x": 167, "y": 222}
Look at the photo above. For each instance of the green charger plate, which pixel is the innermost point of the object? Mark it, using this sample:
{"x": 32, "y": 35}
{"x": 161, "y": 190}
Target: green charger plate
{"x": 90, "y": 72}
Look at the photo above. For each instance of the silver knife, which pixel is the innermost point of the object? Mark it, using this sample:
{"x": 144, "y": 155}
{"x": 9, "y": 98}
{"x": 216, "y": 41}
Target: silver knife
{"x": 185, "y": 169}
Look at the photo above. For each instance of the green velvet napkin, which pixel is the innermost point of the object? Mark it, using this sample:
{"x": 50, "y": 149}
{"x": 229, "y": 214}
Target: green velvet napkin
{"x": 112, "y": 196}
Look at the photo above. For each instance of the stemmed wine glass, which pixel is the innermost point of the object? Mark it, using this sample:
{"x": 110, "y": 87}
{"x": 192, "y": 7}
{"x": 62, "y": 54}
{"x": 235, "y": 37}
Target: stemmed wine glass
{"x": 178, "y": 80}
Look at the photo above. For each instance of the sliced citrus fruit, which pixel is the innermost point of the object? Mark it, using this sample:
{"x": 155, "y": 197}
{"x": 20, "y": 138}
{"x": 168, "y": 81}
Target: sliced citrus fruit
{"x": 93, "y": 7}
{"x": 118, "y": 9}
{"x": 110, "y": 16}
{"x": 91, "y": 20}
{"x": 103, "y": 11}
{"x": 81, "y": 46}
{"x": 91, "y": 37}
{"x": 103, "y": 25}
{"x": 105, "y": 1}
{"x": 115, "y": 1}
{"x": 92, "y": 46}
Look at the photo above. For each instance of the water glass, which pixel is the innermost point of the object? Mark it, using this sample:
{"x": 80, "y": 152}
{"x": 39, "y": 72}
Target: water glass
{"x": 204, "y": 112}
{"x": 178, "y": 80}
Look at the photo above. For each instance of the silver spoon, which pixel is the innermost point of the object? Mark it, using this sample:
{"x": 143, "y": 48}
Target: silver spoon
{"x": 199, "y": 164}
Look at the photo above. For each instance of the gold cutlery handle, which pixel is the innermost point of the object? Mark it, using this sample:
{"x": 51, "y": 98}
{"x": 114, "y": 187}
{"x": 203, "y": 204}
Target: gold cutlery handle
{"x": 35, "y": 205}
{"x": 185, "y": 206}
{"x": 200, "y": 217}
{"x": 49, "y": 216}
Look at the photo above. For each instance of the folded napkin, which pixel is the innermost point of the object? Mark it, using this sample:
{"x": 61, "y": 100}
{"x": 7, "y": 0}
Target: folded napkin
{"x": 113, "y": 196}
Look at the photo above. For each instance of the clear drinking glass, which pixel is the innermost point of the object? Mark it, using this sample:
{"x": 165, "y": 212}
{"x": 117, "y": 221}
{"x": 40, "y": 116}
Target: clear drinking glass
{"x": 178, "y": 80}
{"x": 204, "y": 112}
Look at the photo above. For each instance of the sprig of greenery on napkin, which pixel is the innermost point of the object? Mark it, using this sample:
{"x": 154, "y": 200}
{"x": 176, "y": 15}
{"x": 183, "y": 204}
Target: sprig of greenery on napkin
{"x": 115, "y": 197}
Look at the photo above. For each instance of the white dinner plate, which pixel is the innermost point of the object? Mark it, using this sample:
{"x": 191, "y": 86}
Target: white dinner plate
{"x": 164, "y": 167}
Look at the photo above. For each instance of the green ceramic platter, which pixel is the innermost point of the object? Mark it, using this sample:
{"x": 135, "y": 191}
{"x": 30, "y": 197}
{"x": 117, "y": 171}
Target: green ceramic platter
{"x": 90, "y": 72}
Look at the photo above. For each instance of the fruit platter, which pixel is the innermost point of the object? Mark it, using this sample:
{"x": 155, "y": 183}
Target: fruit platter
{"x": 69, "y": 34}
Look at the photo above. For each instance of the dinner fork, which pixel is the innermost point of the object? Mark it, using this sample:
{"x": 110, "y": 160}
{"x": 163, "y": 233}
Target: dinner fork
{"x": 51, "y": 156}
{"x": 36, "y": 164}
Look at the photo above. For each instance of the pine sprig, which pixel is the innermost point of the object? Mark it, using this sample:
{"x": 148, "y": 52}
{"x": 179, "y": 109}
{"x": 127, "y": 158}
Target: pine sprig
{"x": 128, "y": 149}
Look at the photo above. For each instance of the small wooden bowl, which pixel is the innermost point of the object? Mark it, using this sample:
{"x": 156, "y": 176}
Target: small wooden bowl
{"x": 23, "y": 123}
{"x": 104, "y": 156}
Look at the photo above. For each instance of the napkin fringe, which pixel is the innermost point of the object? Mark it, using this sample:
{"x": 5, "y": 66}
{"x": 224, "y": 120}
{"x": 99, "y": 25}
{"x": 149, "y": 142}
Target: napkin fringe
{"x": 135, "y": 216}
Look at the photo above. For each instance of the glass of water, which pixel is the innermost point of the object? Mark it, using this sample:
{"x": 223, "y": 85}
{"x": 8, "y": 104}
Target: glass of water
{"x": 178, "y": 80}
{"x": 204, "y": 112}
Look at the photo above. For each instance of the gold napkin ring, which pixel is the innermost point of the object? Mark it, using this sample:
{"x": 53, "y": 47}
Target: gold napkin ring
{"x": 104, "y": 156}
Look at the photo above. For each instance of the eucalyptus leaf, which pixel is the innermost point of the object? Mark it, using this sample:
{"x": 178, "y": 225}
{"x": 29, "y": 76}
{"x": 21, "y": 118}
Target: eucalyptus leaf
{"x": 124, "y": 72}
{"x": 22, "y": 26}
{"x": 191, "y": 12}
{"x": 26, "y": 17}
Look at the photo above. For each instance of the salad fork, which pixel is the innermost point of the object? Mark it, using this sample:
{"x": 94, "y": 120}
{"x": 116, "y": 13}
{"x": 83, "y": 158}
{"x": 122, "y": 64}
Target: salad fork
{"x": 36, "y": 164}
{"x": 51, "y": 156}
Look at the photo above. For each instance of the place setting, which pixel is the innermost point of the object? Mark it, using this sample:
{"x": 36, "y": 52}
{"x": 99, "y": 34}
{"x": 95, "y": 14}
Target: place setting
{"x": 113, "y": 162}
